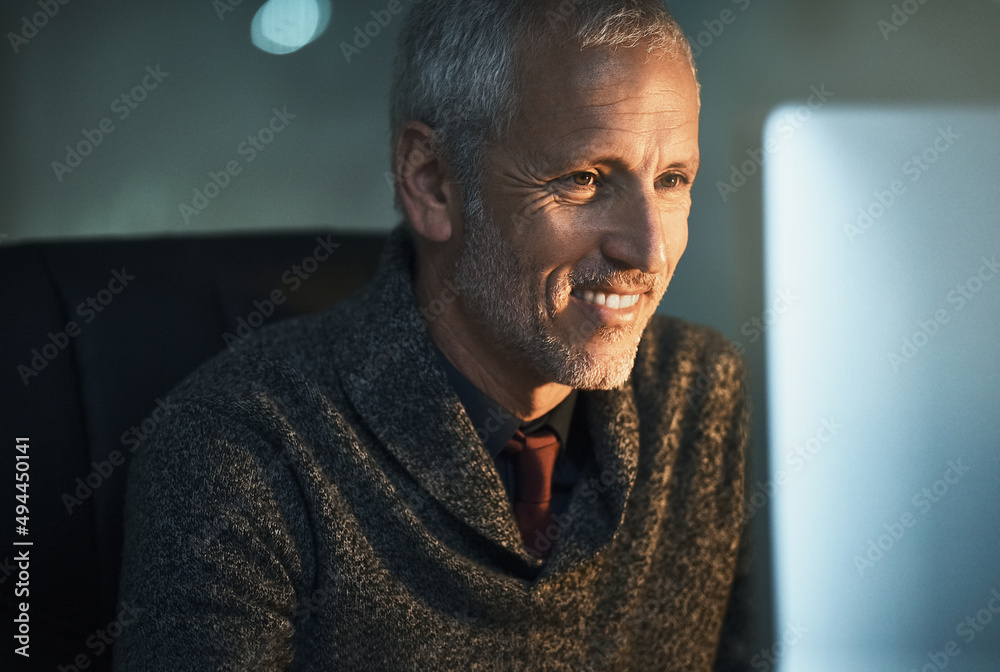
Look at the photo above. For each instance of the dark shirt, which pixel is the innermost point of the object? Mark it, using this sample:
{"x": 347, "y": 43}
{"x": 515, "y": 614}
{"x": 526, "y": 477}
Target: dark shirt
{"x": 495, "y": 425}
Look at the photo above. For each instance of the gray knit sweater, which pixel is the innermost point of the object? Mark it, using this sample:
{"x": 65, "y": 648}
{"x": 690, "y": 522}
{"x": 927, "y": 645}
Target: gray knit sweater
{"x": 318, "y": 499}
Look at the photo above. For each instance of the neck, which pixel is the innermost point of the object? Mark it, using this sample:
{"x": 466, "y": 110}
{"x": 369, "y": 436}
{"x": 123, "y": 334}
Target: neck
{"x": 506, "y": 377}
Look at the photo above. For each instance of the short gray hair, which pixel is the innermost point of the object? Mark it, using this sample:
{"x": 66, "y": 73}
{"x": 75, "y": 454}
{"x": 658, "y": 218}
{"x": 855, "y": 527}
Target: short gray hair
{"x": 457, "y": 69}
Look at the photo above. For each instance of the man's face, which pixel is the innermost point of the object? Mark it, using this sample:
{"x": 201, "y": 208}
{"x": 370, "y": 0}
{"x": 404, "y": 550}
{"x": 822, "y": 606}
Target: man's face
{"x": 584, "y": 210}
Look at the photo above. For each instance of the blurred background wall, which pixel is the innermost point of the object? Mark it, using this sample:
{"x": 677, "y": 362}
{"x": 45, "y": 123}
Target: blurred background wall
{"x": 327, "y": 167}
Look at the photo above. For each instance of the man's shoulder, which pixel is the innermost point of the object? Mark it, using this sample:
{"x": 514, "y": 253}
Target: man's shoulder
{"x": 326, "y": 360}
{"x": 275, "y": 361}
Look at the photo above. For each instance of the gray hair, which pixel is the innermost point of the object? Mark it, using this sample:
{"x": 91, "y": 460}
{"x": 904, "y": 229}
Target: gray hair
{"x": 457, "y": 70}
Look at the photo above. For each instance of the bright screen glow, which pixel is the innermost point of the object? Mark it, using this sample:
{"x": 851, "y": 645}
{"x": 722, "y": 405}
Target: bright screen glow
{"x": 884, "y": 388}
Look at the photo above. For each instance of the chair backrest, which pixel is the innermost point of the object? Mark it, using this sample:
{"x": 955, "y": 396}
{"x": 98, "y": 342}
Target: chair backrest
{"x": 96, "y": 333}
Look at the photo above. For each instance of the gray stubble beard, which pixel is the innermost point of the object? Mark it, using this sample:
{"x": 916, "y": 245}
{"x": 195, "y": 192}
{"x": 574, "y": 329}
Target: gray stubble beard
{"x": 491, "y": 280}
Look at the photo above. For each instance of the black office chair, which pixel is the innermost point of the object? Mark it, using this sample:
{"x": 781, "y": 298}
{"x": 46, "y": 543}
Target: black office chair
{"x": 97, "y": 333}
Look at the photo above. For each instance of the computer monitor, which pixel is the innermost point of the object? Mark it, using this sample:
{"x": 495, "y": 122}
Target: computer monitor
{"x": 882, "y": 232}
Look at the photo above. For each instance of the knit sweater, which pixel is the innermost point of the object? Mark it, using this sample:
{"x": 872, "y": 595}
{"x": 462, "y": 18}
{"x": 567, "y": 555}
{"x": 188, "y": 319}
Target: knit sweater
{"x": 318, "y": 499}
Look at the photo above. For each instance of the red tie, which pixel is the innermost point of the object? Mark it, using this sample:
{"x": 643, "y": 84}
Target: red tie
{"x": 534, "y": 458}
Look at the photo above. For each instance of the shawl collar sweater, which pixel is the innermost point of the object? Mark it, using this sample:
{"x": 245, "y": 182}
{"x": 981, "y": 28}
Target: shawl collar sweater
{"x": 318, "y": 499}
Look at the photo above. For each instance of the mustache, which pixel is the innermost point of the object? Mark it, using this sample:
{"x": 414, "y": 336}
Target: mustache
{"x": 632, "y": 280}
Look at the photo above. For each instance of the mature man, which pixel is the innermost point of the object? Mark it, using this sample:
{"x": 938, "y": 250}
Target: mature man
{"x": 495, "y": 456}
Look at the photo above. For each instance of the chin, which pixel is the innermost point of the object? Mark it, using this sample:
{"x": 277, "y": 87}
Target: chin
{"x": 603, "y": 361}
{"x": 602, "y": 375}
{"x": 583, "y": 369}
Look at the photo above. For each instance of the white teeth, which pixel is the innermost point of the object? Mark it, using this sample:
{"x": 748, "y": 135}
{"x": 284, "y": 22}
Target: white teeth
{"x": 615, "y": 301}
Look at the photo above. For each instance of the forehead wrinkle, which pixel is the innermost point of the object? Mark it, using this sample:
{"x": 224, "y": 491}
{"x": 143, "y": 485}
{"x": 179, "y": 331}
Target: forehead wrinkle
{"x": 675, "y": 117}
{"x": 591, "y": 133}
{"x": 677, "y": 99}
{"x": 582, "y": 111}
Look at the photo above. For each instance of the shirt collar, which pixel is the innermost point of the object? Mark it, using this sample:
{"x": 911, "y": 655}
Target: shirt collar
{"x": 494, "y": 424}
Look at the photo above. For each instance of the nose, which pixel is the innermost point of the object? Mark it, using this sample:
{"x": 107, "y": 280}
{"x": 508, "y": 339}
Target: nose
{"x": 637, "y": 235}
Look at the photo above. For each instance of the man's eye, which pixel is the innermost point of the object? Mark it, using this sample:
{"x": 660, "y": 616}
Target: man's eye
{"x": 673, "y": 180}
{"x": 584, "y": 179}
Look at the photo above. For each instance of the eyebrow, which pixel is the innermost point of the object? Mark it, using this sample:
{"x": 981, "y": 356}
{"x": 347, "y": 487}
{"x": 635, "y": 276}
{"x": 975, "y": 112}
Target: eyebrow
{"x": 690, "y": 163}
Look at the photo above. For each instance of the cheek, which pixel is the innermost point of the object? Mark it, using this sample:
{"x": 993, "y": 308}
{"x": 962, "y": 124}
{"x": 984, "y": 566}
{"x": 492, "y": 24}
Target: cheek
{"x": 680, "y": 242}
{"x": 677, "y": 233}
{"x": 555, "y": 244}
{"x": 553, "y": 288}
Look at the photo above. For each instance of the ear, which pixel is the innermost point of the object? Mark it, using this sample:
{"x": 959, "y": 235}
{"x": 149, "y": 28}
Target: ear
{"x": 428, "y": 195}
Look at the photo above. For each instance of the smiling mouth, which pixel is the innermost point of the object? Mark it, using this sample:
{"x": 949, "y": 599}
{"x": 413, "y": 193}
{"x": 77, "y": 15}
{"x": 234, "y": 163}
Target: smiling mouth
{"x": 606, "y": 299}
